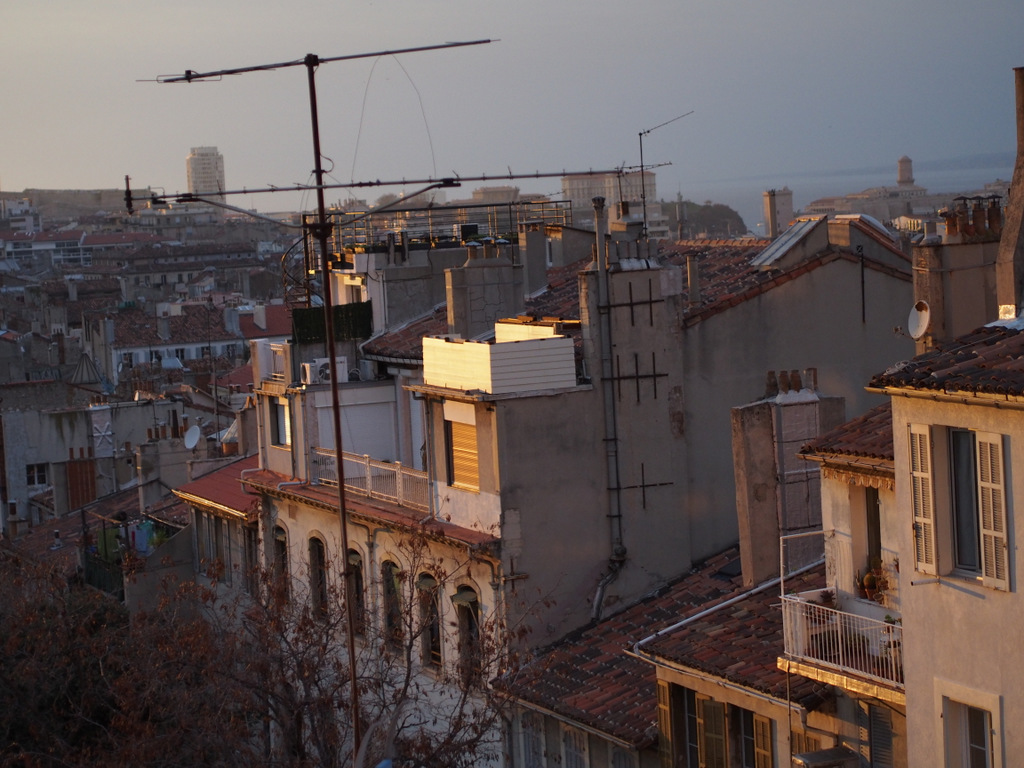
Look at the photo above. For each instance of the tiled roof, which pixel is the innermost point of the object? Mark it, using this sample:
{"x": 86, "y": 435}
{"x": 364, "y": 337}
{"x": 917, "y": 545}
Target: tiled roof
{"x": 226, "y": 489}
{"x": 222, "y": 488}
{"x": 134, "y": 328}
{"x": 989, "y": 360}
{"x": 279, "y": 323}
{"x": 727, "y": 277}
{"x": 590, "y": 678}
{"x": 867, "y": 436}
{"x": 740, "y": 640}
{"x": 240, "y": 376}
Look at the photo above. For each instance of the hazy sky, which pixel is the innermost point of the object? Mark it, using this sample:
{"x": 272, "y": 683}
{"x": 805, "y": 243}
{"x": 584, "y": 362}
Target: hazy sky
{"x": 783, "y": 92}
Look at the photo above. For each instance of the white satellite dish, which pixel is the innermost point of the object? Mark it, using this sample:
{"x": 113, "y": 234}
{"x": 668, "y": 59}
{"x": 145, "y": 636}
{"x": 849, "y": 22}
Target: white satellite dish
{"x": 192, "y": 437}
{"x": 919, "y": 319}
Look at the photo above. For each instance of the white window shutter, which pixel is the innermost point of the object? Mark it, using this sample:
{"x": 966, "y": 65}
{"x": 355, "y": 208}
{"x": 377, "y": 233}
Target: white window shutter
{"x": 992, "y": 510}
{"x": 922, "y": 497}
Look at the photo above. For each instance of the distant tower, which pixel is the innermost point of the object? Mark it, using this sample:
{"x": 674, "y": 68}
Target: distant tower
{"x": 904, "y": 172}
{"x": 205, "y": 170}
{"x": 778, "y": 210}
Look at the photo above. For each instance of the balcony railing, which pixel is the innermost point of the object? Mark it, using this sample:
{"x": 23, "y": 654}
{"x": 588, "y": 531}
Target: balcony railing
{"x": 385, "y": 480}
{"x": 844, "y": 642}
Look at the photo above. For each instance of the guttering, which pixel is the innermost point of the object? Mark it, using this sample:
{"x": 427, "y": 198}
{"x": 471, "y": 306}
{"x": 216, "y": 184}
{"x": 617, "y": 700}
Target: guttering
{"x": 637, "y": 652}
{"x": 989, "y": 399}
{"x": 577, "y": 724}
{"x": 719, "y": 681}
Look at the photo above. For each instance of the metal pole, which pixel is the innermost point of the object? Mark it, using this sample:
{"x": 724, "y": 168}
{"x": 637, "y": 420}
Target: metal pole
{"x": 321, "y": 230}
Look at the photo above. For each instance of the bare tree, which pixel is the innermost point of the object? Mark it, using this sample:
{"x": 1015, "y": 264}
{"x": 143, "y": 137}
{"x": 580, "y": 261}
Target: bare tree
{"x": 224, "y": 677}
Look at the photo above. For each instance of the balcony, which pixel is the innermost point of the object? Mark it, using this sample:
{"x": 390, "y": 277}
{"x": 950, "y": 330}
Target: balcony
{"x": 853, "y": 652}
{"x": 384, "y": 480}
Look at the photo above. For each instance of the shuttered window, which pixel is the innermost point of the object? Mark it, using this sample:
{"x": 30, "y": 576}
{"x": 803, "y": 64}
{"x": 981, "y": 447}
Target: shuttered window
{"x": 712, "y": 735}
{"x": 763, "y": 754}
{"x": 922, "y": 498}
{"x": 992, "y": 510}
{"x": 463, "y": 460}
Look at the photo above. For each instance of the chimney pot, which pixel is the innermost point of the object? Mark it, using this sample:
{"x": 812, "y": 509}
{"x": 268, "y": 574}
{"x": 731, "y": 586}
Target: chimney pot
{"x": 784, "y": 381}
{"x": 794, "y": 381}
{"x": 771, "y": 385}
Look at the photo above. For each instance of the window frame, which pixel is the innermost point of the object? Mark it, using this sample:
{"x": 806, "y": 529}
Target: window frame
{"x": 463, "y": 455}
{"x": 937, "y": 505}
{"x": 569, "y": 739}
{"x": 318, "y": 592}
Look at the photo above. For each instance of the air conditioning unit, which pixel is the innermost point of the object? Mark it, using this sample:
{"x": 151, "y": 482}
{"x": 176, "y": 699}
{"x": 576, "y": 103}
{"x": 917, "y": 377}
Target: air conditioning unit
{"x": 319, "y": 371}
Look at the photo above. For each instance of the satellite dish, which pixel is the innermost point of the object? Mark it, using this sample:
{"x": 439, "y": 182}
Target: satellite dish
{"x": 192, "y": 437}
{"x": 920, "y": 317}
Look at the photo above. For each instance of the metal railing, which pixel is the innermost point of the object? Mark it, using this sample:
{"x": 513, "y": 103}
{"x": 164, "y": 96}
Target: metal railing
{"x": 385, "y": 480}
{"x": 845, "y": 642}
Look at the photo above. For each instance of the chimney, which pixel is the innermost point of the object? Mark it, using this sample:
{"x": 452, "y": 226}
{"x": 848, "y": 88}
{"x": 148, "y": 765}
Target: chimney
{"x": 995, "y": 217}
{"x": 979, "y": 217}
{"x": 600, "y": 230}
{"x": 1010, "y": 257}
{"x": 693, "y": 279}
{"x": 771, "y": 215}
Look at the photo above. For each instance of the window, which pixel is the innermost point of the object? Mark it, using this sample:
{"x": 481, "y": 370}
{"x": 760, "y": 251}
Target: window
{"x": 430, "y": 620}
{"x": 531, "y": 733}
{"x": 251, "y": 554}
{"x": 467, "y": 609}
{"x": 355, "y": 590}
{"x": 677, "y": 726}
{"x": 35, "y": 474}
{"x": 392, "y": 592}
{"x": 874, "y": 724}
{"x": 574, "y": 748}
{"x": 280, "y": 422}
{"x": 212, "y": 546}
{"x": 973, "y": 511}
{"x": 279, "y": 568}
{"x": 755, "y": 739}
{"x": 318, "y": 577}
{"x": 696, "y": 730}
{"x": 968, "y": 735}
{"x": 621, "y": 758}
{"x": 463, "y": 461}
{"x": 712, "y": 737}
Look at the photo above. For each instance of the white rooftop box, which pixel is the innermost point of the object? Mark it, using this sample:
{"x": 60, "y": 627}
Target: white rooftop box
{"x": 503, "y": 367}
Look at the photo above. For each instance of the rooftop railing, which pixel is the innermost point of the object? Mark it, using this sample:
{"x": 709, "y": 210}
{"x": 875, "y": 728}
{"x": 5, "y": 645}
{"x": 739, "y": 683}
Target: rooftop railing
{"x": 384, "y": 480}
{"x": 829, "y": 638}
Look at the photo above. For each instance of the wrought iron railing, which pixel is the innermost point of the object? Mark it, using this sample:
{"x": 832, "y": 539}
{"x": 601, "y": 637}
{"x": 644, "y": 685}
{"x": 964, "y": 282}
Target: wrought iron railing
{"x": 385, "y": 480}
{"x": 845, "y": 642}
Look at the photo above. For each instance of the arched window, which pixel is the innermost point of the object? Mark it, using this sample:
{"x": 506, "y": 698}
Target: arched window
{"x": 356, "y": 592}
{"x": 430, "y": 620}
{"x": 279, "y": 565}
{"x": 467, "y": 609}
{"x": 317, "y": 577}
{"x": 392, "y": 593}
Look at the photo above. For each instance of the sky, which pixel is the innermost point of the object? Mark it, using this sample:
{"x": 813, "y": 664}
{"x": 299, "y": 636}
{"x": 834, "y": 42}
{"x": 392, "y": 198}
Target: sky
{"x": 822, "y": 96}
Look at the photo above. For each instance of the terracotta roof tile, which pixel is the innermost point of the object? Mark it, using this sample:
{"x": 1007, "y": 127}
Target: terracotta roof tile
{"x": 867, "y": 436}
{"x": 727, "y": 278}
{"x": 589, "y": 677}
{"x": 741, "y": 641}
{"x": 989, "y": 360}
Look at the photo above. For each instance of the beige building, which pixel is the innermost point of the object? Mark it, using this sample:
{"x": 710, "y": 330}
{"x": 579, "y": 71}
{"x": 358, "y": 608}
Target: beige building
{"x": 204, "y": 169}
{"x": 956, "y": 426}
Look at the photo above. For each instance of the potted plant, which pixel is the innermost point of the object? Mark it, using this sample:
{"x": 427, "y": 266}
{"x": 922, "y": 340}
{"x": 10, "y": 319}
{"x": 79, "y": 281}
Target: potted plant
{"x": 870, "y": 584}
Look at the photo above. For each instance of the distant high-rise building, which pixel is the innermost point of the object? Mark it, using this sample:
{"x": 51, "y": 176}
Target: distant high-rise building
{"x": 778, "y": 210}
{"x": 205, "y": 170}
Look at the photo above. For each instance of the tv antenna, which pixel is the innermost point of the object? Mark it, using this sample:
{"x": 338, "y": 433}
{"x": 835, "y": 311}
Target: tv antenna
{"x": 643, "y": 184}
{"x": 320, "y": 230}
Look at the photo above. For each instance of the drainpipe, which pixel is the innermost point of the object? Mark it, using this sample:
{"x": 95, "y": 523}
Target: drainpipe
{"x": 611, "y": 440}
